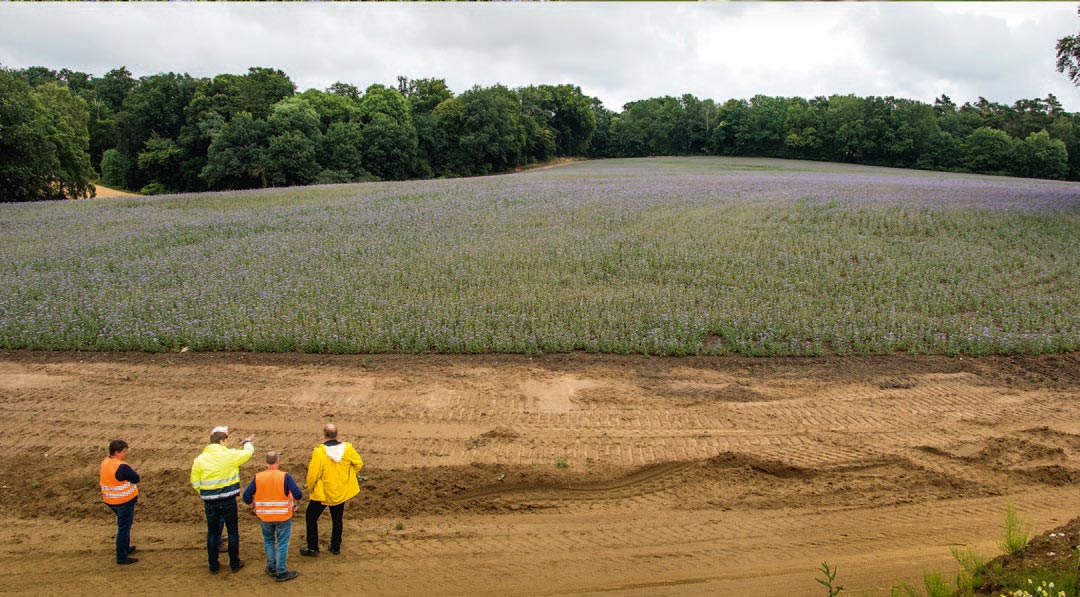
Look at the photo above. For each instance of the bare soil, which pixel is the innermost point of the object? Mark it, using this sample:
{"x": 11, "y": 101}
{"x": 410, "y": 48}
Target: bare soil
{"x": 551, "y": 475}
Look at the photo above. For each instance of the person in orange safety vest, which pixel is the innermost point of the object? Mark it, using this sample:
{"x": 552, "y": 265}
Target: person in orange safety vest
{"x": 120, "y": 492}
{"x": 272, "y": 495}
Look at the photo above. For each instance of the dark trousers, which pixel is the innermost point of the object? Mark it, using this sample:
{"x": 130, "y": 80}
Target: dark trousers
{"x": 314, "y": 511}
{"x": 219, "y": 512}
{"x": 125, "y": 515}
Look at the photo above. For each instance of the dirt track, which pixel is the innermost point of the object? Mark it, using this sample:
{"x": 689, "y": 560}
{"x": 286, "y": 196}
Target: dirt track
{"x": 103, "y": 192}
{"x": 711, "y": 476}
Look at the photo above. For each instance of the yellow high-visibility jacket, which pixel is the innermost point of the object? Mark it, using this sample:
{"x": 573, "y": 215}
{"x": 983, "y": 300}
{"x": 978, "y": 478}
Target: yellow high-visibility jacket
{"x": 331, "y": 476}
{"x": 215, "y": 474}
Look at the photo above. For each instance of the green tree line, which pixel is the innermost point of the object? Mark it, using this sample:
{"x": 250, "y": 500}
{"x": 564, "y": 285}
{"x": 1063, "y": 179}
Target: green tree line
{"x": 61, "y": 130}
{"x": 1032, "y": 138}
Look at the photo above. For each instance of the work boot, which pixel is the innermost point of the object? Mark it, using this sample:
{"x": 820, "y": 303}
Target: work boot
{"x": 271, "y": 572}
{"x": 308, "y": 552}
{"x": 289, "y": 575}
{"x": 238, "y": 566}
{"x": 126, "y": 561}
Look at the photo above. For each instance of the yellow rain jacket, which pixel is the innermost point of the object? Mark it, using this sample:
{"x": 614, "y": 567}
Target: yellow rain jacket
{"x": 215, "y": 474}
{"x": 331, "y": 476}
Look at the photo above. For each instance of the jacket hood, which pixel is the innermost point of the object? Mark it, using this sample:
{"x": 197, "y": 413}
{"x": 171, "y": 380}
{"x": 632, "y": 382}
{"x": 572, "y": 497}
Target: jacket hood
{"x": 335, "y": 452}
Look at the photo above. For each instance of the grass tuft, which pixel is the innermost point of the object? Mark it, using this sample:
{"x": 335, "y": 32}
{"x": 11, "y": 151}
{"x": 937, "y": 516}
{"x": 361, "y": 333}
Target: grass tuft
{"x": 972, "y": 570}
{"x": 934, "y": 585}
{"x": 1015, "y": 532}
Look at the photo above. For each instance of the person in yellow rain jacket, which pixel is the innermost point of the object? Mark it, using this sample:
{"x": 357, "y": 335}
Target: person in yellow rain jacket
{"x": 331, "y": 481}
{"x": 215, "y": 474}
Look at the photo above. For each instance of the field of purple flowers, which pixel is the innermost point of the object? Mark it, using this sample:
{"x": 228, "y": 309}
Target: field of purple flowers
{"x": 660, "y": 256}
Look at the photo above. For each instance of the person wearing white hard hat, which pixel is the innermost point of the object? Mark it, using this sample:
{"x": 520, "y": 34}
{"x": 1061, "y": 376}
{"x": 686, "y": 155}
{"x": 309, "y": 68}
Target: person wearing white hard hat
{"x": 215, "y": 474}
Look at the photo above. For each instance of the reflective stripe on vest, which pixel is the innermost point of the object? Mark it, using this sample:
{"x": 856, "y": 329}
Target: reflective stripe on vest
{"x": 233, "y": 479}
{"x": 272, "y": 503}
{"x": 114, "y": 491}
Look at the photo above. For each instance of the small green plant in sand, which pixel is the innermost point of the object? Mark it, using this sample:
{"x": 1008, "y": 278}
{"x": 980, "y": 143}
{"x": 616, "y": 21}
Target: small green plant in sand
{"x": 561, "y": 463}
{"x": 828, "y": 579}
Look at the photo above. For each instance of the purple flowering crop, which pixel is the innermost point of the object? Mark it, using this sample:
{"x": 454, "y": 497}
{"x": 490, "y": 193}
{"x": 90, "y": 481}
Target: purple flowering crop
{"x": 660, "y": 256}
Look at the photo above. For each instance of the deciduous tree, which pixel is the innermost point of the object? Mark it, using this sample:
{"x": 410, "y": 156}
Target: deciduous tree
{"x": 1039, "y": 156}
{"x": 389, "y": 147}
{"x": 989, "y": 150}
{"x": 341, "y": 150}
{"x": 66, "y": 131}
{"x": 237, "y": 156}
{"x": 28, "y": 157}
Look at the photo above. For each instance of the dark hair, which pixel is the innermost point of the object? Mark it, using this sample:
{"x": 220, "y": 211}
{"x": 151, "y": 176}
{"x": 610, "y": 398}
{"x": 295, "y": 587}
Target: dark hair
{"x": 217, "y": 436}
{"x": 272, "y": 457}
{"x": 117, "y": 445}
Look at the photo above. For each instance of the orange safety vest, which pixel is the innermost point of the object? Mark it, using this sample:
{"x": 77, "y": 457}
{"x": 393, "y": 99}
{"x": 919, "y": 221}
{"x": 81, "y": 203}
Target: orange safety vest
{"x": 113, "y": 491}
{"x": 272, "y": 503}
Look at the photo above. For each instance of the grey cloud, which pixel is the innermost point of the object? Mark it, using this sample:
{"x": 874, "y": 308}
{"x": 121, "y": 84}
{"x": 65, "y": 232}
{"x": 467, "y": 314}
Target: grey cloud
{"x": 618, "y": 52}
{"x": 941, "y": 45}
{"x": 974, "y": 54}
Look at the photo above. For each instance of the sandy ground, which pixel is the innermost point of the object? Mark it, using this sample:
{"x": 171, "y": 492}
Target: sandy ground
{"x": 687, "y": 476}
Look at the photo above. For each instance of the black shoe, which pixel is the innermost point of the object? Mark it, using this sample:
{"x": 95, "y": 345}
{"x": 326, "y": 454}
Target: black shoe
{"x": 126, "y": 561}
{"x": 335, "y": 550}
{"x": 213, "y": 570}
{"x": 131, "y": 550}
{"x": 238, "y": 566}
{"x": 270, "y": 571}
{"x": 308, "y": 552}
{"x": 291, "y": 574}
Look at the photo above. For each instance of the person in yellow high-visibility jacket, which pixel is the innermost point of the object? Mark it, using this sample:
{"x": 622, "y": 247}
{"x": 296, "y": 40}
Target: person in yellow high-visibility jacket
{"x": 215, "y": 474}
{"x": 331, "y": 481}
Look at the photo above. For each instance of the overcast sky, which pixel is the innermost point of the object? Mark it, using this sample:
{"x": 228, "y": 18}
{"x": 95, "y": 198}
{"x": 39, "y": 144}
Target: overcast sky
{"x": 615, "y": 51}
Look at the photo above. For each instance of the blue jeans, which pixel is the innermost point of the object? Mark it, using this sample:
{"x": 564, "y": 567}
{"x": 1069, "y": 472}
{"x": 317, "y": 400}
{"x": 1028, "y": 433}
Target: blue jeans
{"x": 125, "y": 515}
{"x": 218, "y": 512}
{"x": 276, "y": 537}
